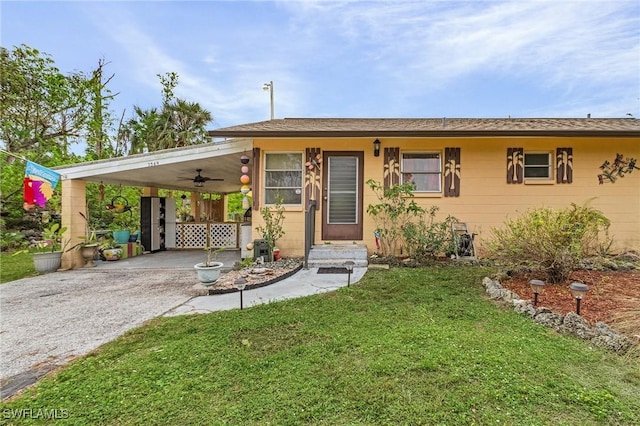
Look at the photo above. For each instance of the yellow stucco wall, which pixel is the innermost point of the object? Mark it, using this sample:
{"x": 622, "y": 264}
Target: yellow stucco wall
{"x": 485, "y": 197}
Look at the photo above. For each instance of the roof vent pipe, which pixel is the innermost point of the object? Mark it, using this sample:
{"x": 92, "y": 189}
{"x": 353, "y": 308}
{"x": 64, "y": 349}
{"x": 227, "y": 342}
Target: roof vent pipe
{"x": 444, "y": 122}
{"x": 588, "y": 115}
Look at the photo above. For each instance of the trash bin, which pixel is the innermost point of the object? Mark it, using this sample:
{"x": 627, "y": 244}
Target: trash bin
{"x": 261, "y": 248}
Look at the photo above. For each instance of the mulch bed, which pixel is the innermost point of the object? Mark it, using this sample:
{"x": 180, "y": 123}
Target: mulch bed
{"x": 613, "y": 297}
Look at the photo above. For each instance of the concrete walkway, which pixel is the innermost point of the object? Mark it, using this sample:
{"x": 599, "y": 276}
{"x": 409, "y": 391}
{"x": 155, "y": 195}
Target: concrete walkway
{"x": 48, "y": 320}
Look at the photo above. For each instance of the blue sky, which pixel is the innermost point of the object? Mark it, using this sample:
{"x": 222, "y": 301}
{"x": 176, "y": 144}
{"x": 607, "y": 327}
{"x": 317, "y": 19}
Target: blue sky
{"x": 350, "y": 58}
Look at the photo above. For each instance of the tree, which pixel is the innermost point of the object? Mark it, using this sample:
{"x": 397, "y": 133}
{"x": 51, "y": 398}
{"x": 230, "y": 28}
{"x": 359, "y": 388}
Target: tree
{"x": 187, "y": 121}
{"x": 395, "y": 208}
{"x": 100, "y": 118}
{"x": 42, "y": 111}
{"x": 179, "y": 123}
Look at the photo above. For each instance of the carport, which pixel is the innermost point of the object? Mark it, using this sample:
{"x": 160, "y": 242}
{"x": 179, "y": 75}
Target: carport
{"x": 173, "y": 169}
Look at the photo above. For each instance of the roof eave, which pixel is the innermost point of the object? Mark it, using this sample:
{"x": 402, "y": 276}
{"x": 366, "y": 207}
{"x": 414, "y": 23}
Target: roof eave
{"x": 419, "y": 133}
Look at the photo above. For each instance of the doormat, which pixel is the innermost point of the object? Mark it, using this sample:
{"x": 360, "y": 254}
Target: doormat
{"x": 327, "y": 270}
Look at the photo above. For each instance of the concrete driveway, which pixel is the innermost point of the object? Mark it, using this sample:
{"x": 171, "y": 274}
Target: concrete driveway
{"x": 46, "y": 321}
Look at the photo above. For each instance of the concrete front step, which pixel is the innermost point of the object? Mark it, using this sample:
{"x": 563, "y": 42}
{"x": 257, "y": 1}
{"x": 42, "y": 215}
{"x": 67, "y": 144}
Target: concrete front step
{"x": 334, "y": 255}
{"x": 336, "y": 263}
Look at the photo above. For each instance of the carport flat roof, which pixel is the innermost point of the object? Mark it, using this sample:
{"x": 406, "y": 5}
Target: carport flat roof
{"x": 170, "y": 168}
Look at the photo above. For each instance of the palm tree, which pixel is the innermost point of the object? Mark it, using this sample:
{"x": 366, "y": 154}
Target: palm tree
{"x": 178, "y": 124}
{"x": 185, "y": 123}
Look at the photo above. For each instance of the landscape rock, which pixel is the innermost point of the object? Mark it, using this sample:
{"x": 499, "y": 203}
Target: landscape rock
{"x": 629, "y": 256}
{"x": 549, "y": 319}
{"x": 576, "y": 325}
{"x": 524, "y": 307}
{"x": 605, "y": 337}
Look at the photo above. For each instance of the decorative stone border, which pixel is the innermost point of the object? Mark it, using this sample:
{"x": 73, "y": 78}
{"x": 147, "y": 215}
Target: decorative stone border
{"x": 213, "y": 290}
{"x": 601, "y": 335}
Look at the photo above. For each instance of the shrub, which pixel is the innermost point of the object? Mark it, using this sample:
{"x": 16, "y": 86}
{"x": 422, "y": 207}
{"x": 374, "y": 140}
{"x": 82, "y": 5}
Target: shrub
{"x": 427, "y": 238}
{"x": 551, "y": 241}
{"x": 273, "y": 218}
{"x": 395, "y": 208}
{"x": 402, "y": 224}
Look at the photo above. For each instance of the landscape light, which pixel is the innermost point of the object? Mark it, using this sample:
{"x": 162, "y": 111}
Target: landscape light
{"x": 240, "y": 284}
{"x": 349, "y": 264}
{"x": 537, "y": 286}
{"x": 578, "y": 290}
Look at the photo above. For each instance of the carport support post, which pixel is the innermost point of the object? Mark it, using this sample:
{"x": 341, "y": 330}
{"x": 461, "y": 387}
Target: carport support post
{"x": 73, "y": 202}
{"x": 195, "y": 206}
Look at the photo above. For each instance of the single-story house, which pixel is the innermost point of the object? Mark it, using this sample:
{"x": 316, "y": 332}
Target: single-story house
{"x": 481, "y": 171}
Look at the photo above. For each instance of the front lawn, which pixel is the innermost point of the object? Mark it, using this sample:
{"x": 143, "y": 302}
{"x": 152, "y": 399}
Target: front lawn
{"x": 404, "y": 346}
{"x": 16, "y": 267}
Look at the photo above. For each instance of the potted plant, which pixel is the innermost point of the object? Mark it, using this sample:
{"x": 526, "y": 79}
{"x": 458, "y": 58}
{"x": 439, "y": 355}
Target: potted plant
{"x": 209, "y": 271}
{"x": 88, "y": 247}
{"x": 47, "y": 253}
{"x": 272, "y": 230}
{"x": 109, "y": 250}
{"x": 122, "y": 226}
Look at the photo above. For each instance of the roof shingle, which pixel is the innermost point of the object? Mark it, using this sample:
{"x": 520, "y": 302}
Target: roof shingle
{"x": 336, "y": 127}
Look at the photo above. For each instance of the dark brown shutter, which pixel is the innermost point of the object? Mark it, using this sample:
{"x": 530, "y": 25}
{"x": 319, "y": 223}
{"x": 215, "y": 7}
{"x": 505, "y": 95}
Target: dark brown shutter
{"x": 564, "y": 165}
{"x": 452, "y": 172}
{"x": 255, "y": 188}
{"x": 515, "y": 165}
{"x": 312, "y": 178}
{"x": 391, "y": 172}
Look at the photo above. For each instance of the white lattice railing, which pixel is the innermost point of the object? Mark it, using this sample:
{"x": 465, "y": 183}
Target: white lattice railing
{"x": 192, "y": 235}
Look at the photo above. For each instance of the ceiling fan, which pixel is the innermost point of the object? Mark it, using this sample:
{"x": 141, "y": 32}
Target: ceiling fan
{"x": 199, "y": 180}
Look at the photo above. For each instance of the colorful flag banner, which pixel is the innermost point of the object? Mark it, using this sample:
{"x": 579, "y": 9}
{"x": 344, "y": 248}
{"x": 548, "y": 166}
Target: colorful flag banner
{"x": 39, "y": 183}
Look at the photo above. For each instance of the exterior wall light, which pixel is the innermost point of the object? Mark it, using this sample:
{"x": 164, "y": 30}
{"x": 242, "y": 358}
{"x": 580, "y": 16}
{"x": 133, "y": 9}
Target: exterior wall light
{"x": 578, "y": 290}
{"x": 376, "y": 148}
{"x": 537, "y": 286}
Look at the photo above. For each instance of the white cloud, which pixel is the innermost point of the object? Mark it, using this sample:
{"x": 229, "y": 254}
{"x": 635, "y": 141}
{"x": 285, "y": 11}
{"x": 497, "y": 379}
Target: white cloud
{"x": 358, "y": 58}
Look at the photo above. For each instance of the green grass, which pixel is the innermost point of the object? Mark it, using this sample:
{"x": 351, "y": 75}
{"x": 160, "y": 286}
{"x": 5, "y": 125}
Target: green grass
{"x": 405, "y": 346}
{"x": 15, "y": 267}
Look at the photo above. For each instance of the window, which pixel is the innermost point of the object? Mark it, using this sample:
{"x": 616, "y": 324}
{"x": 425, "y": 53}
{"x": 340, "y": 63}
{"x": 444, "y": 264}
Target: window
{"x": 423, "y": 169}
{"x": 283, "y": 177}
{"x": 537, "y": 165}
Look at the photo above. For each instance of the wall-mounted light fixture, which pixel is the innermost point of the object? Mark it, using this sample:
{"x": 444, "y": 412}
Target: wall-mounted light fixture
{"x": 376, "y": 148}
